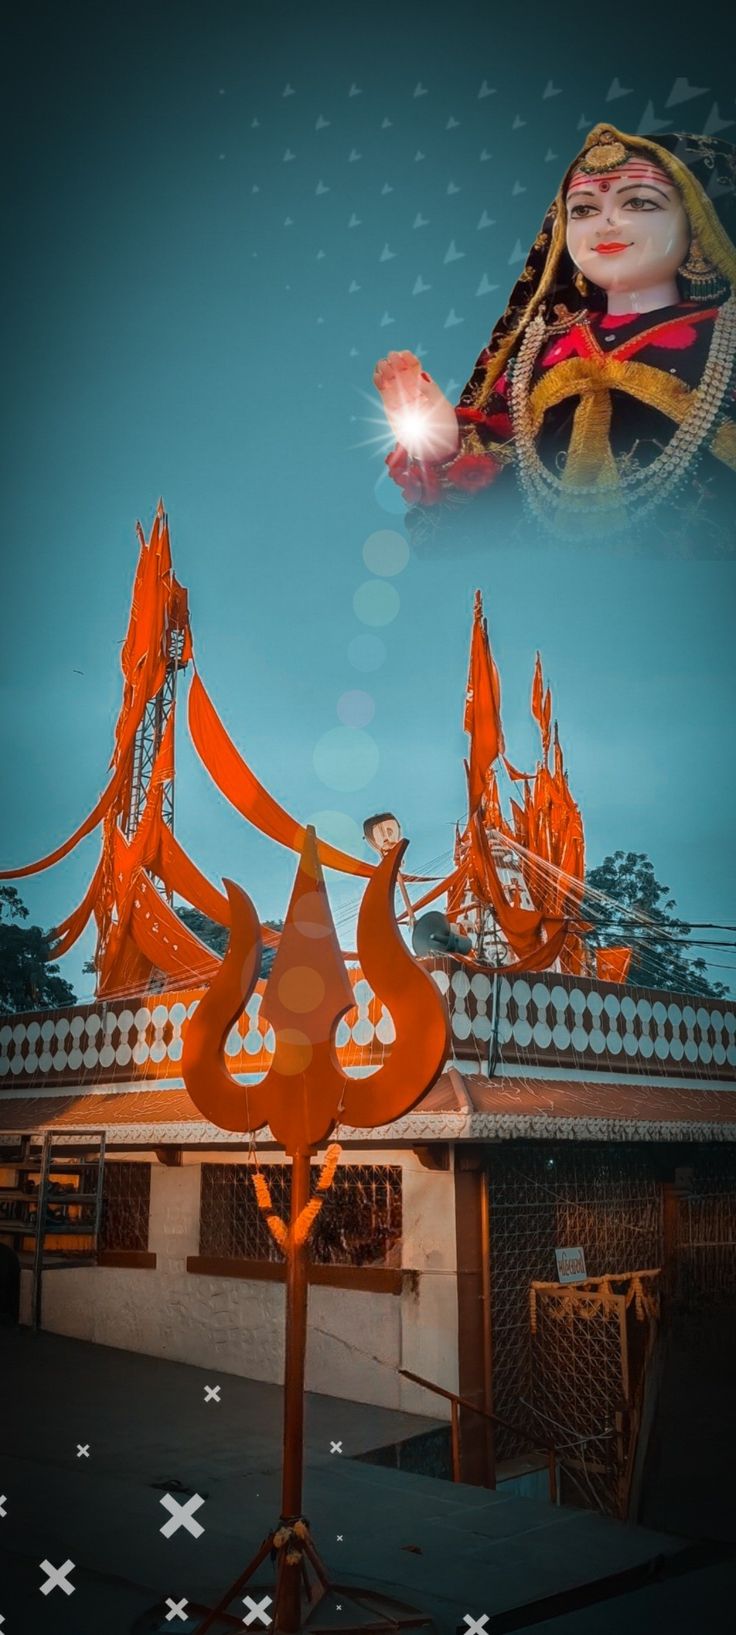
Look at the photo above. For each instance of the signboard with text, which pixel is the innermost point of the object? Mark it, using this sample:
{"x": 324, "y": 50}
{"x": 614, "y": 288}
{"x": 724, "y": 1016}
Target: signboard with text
{"x": 570, "y": 1265}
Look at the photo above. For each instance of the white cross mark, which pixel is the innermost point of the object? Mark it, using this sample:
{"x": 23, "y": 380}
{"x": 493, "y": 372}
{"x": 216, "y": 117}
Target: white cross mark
{"x": 212, "y": 1393}
{"x": 257, "y": 1609}
{"x": 476, "y": 1626}
{"x": 83, "y": 1450}
{"x": 336, "y": 1447}
{"x": 2, "y": 1619}
{"x": 3, "y": 1497}
{"x": 178, "y": 1608}
{"x": 181, "y": 1515}
{"x": 58, "y": 1578}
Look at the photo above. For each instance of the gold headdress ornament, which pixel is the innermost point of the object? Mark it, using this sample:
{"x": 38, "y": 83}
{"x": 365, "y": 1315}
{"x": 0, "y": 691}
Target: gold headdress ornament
{"x": 603, "y": 151}
{"x": 605, "y": 148}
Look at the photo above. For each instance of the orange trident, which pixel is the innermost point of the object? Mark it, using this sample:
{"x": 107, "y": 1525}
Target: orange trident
{"x": 302, "y": 1097}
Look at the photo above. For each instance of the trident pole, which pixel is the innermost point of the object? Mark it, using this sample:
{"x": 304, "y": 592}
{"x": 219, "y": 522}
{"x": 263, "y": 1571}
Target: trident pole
{"x": 288, "y": 1593}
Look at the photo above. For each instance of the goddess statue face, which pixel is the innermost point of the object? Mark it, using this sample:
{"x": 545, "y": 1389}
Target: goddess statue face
{"x": 627, "y": 229}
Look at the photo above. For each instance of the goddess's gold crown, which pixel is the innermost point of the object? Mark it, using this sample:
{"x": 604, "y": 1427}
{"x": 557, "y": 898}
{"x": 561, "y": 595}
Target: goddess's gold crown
{"x": 603, "y": 151}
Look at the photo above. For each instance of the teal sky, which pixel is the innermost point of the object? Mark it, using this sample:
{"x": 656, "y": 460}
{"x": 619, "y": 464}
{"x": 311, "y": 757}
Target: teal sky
{"x": 181, "y": 319}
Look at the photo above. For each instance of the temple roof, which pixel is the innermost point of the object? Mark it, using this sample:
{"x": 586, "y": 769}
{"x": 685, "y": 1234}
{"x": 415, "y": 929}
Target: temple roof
{"x": 459, "y": 1107}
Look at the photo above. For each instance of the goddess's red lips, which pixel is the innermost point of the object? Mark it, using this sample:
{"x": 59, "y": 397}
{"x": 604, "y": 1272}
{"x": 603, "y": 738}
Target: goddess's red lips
{"x": 610, "y": 249}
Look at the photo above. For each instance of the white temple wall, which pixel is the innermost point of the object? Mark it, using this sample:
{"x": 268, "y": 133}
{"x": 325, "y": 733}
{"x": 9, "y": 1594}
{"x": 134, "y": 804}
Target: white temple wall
{"x": 357, "y": 1338}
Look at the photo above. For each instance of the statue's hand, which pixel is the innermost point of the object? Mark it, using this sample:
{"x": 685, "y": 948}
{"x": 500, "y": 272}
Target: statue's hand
{"x": 421, "y": 418}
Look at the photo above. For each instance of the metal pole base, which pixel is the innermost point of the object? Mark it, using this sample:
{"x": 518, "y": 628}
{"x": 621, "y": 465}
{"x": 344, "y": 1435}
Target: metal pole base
{"x": 303, "y": 1600}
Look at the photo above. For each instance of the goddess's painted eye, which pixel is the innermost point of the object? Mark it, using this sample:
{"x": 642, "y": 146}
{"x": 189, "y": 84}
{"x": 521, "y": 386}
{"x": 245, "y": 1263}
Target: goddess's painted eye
{"x": 579, "y": 211}
{"x": 641, "y": 203}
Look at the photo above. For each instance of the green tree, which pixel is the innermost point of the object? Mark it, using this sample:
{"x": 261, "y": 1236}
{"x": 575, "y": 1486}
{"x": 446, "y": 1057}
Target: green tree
{"x": 216, "y": 936}
{"x": 640, "y": 915}
{"x": 28, "y": 982}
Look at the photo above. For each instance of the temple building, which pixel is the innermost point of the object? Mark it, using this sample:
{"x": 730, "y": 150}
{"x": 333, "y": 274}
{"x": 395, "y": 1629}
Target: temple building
{"x": 513, "y": 1241}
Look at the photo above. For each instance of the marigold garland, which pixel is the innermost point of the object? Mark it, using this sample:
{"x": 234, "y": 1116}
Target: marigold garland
{"x": 298, "y": 1234}
{"x": 293, "y": 1538}
{"x": 327, "y": 1172}
{"x": 306, "y": 1219}
{"x": 596, "y": 1297}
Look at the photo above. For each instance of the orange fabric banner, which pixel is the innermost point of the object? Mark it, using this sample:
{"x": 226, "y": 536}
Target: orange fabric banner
{"x": 522, "y": 927}
{"x": 143, "y": 662}
{"x": 164, "y": 939}
{"x": 513, "y": 772}
{"x": 482, "y": 717}
{"x": 436, "y": 891}
{"x": 180, "y": 874}
{"x": 98, "y": 812}
{"x": 64, "y": 936}
{"x": 541, "y": 706}
{"x": 240, "y": 786}
{"x": 121, "y": 967}
{"x": 521, "y": 825}
{"x": 183, "y": 876}
{"x": 612, "y": 964}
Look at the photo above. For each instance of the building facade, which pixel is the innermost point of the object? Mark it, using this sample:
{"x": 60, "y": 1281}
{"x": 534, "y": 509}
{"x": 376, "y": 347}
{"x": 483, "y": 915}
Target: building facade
{"x": 572, "y": 1113}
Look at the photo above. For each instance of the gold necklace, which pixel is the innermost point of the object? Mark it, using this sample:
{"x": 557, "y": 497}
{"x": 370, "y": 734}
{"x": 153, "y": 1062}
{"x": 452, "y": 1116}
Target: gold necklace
{"x": 637, "y": 490}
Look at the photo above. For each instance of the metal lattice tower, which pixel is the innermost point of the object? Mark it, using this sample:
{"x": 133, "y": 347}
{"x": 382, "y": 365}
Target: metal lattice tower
{"x": 148, "y": 741}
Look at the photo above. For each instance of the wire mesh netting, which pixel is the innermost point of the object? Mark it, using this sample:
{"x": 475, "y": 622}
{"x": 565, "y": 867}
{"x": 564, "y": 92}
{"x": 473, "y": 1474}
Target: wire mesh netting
{"x": 602, "y": 1197}
{"x": 706, "y": 1248}
{"x": 590, "y": 1348}
{"x": 126, "y": 1204}
{"x": 360, "y": 1223}
{"x": 70, "y": 1226}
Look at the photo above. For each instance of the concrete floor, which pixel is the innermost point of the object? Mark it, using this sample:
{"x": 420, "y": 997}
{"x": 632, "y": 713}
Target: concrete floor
{"x": 455, "y": 1552}
{"x": 689, "y": 1481}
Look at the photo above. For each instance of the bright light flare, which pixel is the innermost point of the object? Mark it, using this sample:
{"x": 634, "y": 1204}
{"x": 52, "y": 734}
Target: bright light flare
{"x": 414, "y": 426}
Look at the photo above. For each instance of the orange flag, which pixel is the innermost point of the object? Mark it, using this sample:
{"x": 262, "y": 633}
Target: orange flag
{"x": 541, "y": 706}
{"x": 242, "y": 788}
{"x": 612, "y": 964}
{"x": 482, "y": 718}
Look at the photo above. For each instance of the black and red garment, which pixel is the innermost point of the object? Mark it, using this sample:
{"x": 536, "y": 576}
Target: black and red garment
{"x": 606, "y": 425}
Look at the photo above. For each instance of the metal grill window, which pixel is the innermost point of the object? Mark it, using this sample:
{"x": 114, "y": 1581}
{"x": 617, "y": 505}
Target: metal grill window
{"x": 126, "y": 1201}
{"x": 605, "y": 1198}
{"x": 360, "y": 1222}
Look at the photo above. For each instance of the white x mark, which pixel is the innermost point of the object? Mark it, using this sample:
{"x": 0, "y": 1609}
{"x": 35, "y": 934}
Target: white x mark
{"x": 212, "y": 1393}
{"x": 336, "y": 1447}
{"x": 3, "y": 1497}
{"x": 339, "y": 1538}
{"x": 257, "y": 1609}
{"x": 178, "y": 1608}
{"x": 83, "y": 1450}
{"x": 58, "y": 1578}
{"x": 476, "y": 1626}
{"x": 2, "y": 1620}
{"x": 181, "y": 1515}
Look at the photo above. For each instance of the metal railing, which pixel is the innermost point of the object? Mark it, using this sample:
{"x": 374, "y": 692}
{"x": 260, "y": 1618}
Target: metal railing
{"x": 456, "y": 1403}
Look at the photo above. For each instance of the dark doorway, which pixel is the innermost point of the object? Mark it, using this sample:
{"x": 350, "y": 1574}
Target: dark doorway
{"x": 9, "y": 1285}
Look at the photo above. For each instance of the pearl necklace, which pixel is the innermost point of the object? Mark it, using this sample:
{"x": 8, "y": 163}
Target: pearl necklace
{"x": 639, "y": 489}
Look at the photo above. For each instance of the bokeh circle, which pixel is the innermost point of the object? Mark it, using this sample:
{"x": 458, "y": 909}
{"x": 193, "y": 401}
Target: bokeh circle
{"x": 356, "y": 708}
{"x": 386, "y": 552}
{"x": 367, "y": 653}
{"x": 375, "y": 602}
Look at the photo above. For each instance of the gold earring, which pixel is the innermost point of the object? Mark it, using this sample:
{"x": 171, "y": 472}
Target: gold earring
{"x": 701, "y": 281}
{"x": 581, "y": 284}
